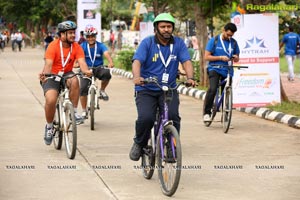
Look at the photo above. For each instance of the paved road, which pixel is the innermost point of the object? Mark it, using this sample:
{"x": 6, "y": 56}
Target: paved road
{"x": 265, "y": 154}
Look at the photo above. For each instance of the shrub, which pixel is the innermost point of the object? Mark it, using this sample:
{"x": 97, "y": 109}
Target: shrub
{"x": 124, "y": 58}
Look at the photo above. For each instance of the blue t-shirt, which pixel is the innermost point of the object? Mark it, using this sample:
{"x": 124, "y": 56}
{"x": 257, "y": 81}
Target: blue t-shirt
{"x": 152, "y": 65}
{"x": 219, "y": 51}
{"x": 101, "y": 48}
{"x": 290, "y": 40}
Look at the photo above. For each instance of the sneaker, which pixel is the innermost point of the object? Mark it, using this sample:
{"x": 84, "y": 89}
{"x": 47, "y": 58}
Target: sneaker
{"x": 78, "y": 119}
{"x": 206, "y": 118}
{"x": 84, "y": 115}
{"x": 103, "y": 95}
{"x": 48, "y": 135}
{"x": 135, "y": 152}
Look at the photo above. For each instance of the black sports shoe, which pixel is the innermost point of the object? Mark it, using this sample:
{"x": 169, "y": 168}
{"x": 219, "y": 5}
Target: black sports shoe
{"x": 135, "y": 152}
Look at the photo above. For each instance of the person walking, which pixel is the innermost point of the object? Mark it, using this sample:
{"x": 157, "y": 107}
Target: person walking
{"x": 32, "y": 37}
{"x": 59, "y": 59}
{"x": 157, "y": 56}
{"x": 290, "y": 40}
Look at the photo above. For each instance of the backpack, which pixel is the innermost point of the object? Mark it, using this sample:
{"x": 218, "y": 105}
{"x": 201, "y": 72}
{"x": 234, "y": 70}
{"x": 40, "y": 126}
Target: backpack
{"x": 216, "y": 41}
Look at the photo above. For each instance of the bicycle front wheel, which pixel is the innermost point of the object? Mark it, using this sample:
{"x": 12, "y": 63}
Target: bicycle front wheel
{"x": 70, "y": 130}
{"x": 169, "y": 160}
{"x": 57, "y": 140}
{"x": 148, "y": 157}
{"x": 227, "y": 109}
{"x": 92, "y": 108}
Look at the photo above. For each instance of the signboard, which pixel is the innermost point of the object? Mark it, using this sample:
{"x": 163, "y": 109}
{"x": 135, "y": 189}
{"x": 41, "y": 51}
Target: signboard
{"x": 88, "y": 13}
{"x": 258, "y": 40}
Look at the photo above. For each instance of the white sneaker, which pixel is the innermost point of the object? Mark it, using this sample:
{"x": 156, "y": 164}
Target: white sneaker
{"x": 84, "y": 115}
{"x": 206, "y": 118}
{"x": 78, "y": 119}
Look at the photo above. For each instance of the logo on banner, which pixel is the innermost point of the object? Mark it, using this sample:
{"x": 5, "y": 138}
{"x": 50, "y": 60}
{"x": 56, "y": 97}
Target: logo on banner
{"x": 255, "y": 46}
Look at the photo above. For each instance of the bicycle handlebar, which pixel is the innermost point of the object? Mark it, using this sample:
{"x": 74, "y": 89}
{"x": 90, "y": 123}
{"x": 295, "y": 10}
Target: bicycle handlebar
{"x": 164, "y": 87}
{"x": 61, "y": 76}
{"x": 233, "y": 66}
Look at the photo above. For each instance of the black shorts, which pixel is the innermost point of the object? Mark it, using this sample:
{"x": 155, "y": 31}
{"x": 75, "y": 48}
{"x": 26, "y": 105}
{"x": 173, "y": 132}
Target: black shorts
{"x": 100, "y": 73}
{"x": 51, "y": 84}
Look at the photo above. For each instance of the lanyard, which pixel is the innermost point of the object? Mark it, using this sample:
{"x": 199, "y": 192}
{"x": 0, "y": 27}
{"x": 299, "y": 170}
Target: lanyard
{"x": 162, "y": 58}
{"x": 229, "y": 47}
{"x": 89, "y": 51}
{"x": 63, "y": 63}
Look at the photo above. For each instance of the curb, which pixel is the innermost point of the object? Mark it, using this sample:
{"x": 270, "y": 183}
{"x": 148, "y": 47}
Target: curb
{"x": 264, "y": 113}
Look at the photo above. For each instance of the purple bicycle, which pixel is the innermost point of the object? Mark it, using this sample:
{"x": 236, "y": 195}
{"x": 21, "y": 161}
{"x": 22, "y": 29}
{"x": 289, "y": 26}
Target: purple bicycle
{"x": 163, "y": 146}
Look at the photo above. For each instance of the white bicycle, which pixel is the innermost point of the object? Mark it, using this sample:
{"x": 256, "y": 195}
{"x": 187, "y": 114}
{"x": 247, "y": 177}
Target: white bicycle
{"x": 92, "y": 99}
{"x": 64, "y": 120}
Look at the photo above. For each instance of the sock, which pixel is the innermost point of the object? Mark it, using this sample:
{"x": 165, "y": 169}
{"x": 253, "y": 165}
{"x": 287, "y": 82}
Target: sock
{"x": 75, "y": 110}
{"x": 49, "y": 125}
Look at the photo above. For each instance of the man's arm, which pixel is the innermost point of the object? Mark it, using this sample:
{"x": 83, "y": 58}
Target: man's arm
{"x": 188, "y": 68}
{"x": 83, "y": 66}
{"x": 109, "y": 59}
{"x": 46, "y": 70}
{"x": 136, "y": 71}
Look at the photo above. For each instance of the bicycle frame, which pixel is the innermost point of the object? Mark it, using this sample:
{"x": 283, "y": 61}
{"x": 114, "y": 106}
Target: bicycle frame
{"x": 219, "y": 97}
{"x": 95, "y": 87}
{"x": 162, "y": 120}
{"x": 62, "y": 100}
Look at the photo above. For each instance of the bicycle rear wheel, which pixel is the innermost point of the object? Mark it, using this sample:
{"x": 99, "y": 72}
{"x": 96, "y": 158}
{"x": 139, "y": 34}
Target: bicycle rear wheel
{"x": 227, "y": 109}
{"x": 70, "y": 130}
{"x": 148, "y": 157}
{"x": 57, "y": 139}
{"x": 169, "y": 160}
{"x": 92, "y": 108}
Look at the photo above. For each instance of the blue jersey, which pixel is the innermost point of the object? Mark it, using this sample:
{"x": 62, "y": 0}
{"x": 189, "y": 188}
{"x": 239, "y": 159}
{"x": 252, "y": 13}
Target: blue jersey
{"x": 218, "y": 50}
{"x": 290, "y": 40}
{"x": 151, "y": 62}
{"x": 101, "y": 48}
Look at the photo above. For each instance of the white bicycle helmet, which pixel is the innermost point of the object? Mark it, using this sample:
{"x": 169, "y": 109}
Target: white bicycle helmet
{"x": 90, "y": 30}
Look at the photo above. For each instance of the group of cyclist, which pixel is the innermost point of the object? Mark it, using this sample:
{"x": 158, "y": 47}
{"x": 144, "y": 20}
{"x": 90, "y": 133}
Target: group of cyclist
{"x": 60, "y": 58}
{"x": 156, "y": 56}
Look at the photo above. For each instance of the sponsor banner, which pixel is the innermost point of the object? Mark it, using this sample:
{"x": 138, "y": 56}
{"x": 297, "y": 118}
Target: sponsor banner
{"x": 259, "y": 85}
{"x": 88, "y": 13}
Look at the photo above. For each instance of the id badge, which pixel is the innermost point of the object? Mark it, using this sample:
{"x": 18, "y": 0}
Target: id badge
{"x": 58, "y": 78}
{"x": 165, "y": 78}
{"x": 230, "y": 63}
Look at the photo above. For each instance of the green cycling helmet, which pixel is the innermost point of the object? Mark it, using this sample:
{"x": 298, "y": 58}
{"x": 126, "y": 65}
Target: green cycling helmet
{"x": 164, "y": 17}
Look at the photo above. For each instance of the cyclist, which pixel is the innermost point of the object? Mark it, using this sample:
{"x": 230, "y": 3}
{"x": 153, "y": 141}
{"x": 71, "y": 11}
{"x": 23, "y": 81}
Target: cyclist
{"x": 219, "y": 50}
{"x": 59, "y": 59}
{"x": 94, "y": 52}
{"x": 157, "y": 56}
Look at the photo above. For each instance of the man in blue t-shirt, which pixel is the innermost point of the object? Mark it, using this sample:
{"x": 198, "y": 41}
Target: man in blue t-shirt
{"x": 220, "y": 50}
{"x": 290, "y": 40}
{"x": 94, "y": 52}
{"x": 157, "y": 56}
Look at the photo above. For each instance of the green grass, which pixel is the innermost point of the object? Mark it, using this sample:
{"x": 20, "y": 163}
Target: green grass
{"x": 287, "y": 107}
{"x": 284, "y": 67}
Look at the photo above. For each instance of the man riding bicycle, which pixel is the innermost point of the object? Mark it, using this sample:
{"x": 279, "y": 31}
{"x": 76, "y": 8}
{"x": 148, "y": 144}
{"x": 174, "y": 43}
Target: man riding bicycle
{"x": 157, "y": 56}
{"x": 220, "y": 50}
{"x": 94, "y": 52}
{"x": 59, "y": 59}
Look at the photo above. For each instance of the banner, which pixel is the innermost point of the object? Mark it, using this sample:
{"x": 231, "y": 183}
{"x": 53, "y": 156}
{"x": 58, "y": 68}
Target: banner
{"x": 88, "y": 12}
{"x": 258, "y": 40}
